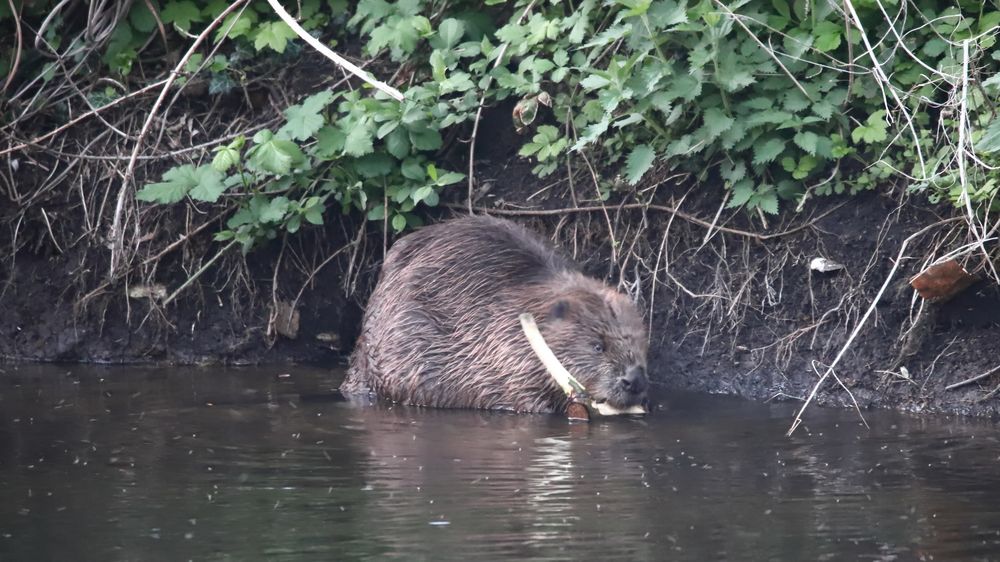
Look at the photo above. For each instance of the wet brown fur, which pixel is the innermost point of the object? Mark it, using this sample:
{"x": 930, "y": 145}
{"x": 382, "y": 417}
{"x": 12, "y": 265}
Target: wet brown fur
{"x": 442, "y": 329}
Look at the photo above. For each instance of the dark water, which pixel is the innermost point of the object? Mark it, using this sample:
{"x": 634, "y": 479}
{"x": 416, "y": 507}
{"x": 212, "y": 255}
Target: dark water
{"x": 157, "y": 464}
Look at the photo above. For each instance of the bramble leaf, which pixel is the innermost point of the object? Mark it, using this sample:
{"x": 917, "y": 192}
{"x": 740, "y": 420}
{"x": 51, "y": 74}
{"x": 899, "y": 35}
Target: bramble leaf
{"x": 873, "y": 130}
{"x": 273, "y": 34}
{"x": 203, "y": 183}
{"x": 181, "y": 13}
{"x": 305, "y": 119}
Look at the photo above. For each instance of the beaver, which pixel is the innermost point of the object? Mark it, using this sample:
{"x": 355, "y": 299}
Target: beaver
{"x": 442, "y": 330}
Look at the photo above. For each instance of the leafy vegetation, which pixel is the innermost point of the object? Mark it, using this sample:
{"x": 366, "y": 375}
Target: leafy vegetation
{"x": 777, "y": 100}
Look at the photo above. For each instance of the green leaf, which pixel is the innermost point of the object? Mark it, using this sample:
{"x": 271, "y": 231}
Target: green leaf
{"x": 449, "y": 178}
{"x": 874, "y": 130}
{"x": 314, "y": 214}
{"x": 273, "y": 34}
{"x": 422, "y": 193}
{"x": 398, "y": 143}
{"x": 272, "y": 211}
{"x": 330, "y": 142}
{"x": 374, "y": 165}
{"x": 668, "y": 13}
{"x": 716, "y": 122}
{"x": 640, "y": 160}
{"x": 225, "y": 158}
{"x": 209, "y": 186}
{"x": 413, "y": 169}
{"x": 807, "y": 141}
{"x": 140, "y": 17}
{"x": 305, "y": 119}
{"x": 823, "y": 109}
{"x": 990, "y": 141}
{"x": 398, "y": 223}
{"x": 181, "y": 13}
{"x": 175, "y": 185}
{"x": 768, "y": 202}
{"x": 742, "y": 192}
{"x": 934, "y": 47}
{"x": 768, "y": 151}
{"x": 827, "y": 35}
{"x": 592, "y": 133}
{"x": 236, "y": 25}
{"x": 275, "y": 155}
{"x": 359, "y": 140}
{"x": 203, "y": 183}
{"x": 781, "y": 6}
{"x": 426, "y": 139}
{"x": 594, "y": 81}
{"x": 451, "y": 31}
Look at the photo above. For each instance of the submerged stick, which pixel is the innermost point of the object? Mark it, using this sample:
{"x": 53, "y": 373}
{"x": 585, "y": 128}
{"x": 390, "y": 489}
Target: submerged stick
{"x": 573, "y": 388}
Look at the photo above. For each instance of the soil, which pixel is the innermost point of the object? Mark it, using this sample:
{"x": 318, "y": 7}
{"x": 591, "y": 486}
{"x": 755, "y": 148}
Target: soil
{"x": 732, "y": 314}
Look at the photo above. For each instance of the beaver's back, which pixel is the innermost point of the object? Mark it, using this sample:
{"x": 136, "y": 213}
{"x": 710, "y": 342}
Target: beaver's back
{"x": 441, "y": 327}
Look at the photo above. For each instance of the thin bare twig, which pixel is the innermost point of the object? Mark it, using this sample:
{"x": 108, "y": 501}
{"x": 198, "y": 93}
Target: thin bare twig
{"x": 116, "y": 236}
{"x": 82, "y": 117}
{"x": 863, "y": 320}
{"x": 971, "y": 380}
{"x": 198, "y": 273}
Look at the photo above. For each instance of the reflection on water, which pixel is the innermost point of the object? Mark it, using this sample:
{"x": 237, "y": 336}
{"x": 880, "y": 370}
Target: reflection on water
{"x": 177, "y": 464}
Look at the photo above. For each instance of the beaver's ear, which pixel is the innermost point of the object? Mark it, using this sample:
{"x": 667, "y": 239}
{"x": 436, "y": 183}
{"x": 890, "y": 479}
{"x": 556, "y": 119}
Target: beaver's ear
{"x": 611, "y": 301}
{"x": 559, "y": 310}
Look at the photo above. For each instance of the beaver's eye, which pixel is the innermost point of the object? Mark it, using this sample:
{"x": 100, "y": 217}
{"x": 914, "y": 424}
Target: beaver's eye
{"x": 598, "y": 348}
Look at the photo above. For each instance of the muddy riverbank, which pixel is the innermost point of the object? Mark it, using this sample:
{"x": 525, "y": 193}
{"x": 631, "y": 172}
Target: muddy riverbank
{"x": 736, "y": 309}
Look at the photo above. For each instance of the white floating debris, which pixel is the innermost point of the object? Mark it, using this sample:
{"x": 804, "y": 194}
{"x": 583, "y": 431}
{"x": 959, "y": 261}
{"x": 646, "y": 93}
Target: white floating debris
{"x": 824, "y": 265}
{"x": 439, "y": 523}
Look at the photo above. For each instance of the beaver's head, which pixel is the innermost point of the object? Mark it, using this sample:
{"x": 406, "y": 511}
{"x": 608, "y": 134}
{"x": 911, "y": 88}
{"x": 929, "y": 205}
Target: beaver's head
{"x": 598, "y": 335}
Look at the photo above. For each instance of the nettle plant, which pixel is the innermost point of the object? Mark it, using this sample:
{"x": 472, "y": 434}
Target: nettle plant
{"x": 772, "y": 97}
{"x": 776, "y": 99}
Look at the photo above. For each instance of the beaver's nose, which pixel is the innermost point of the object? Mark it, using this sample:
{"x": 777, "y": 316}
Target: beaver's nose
{"x": 635, "y": 380}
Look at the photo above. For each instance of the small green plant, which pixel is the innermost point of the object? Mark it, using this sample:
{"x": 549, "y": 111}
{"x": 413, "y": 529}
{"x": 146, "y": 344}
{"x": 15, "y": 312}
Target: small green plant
{"x": 337, "y": 151}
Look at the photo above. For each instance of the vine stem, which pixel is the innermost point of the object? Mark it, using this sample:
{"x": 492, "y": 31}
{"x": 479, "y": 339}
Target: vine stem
{"x": 328, "y": 53}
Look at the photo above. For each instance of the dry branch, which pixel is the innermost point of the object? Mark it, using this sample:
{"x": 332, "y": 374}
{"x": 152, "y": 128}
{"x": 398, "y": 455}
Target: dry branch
{"x": 972, "y": 379}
